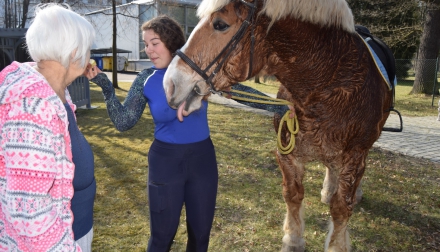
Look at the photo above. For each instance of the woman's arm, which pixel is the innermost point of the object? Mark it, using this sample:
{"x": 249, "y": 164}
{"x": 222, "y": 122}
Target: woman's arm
{"x": 37, "y": 189}
{"x": 124, "y": 115}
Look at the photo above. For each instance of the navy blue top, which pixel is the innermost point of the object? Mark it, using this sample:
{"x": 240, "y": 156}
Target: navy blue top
{"x": 168, "y": 128}
{"x": 84, "y": 183}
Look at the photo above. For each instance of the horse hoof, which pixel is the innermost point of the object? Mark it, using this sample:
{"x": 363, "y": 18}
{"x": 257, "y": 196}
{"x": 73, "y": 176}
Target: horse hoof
{"x": 287, "y": 248}
{"x": 325, "y": 197}
{"x": 325, "y": 201}
{"x": 293, "y": 244}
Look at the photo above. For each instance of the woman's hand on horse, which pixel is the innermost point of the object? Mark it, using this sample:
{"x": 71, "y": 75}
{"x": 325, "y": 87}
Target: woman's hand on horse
{"x": 292, "y": 111}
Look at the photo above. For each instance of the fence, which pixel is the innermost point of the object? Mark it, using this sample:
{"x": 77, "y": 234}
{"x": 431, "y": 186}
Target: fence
{"x": 80, "y": 92}
{"x": 405, "y": 68}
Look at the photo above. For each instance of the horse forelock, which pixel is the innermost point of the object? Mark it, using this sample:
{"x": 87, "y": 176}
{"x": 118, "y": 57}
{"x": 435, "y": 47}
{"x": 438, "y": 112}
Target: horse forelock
{"x": 207, "y": 7}
{"x": 323, "y": 12}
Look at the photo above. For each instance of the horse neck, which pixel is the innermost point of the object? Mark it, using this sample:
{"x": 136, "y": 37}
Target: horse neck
{"x": 306, "y": 55}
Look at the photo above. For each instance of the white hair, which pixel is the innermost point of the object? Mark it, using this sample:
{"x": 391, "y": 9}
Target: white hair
{"x": 323, "y": 12}
{"x": 59, "y": 34}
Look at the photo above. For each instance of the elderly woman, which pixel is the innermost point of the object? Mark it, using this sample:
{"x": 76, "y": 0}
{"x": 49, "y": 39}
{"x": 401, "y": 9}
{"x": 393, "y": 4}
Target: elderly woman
{"x": 47, "y": 184}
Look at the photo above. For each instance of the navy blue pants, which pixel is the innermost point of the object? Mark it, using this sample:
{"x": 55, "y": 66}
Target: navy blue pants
{"x": 181, "y": 174}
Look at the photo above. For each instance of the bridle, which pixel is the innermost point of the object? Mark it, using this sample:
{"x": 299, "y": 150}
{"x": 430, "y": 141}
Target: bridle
{"x": 292, "y": 124}
{"x": 226, "y": 51}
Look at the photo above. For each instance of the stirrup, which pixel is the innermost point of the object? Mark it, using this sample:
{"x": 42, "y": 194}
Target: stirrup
{"x": 395, "y": 129}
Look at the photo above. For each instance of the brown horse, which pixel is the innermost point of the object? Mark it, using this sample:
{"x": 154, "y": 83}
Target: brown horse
{"x": 342, "y": 101}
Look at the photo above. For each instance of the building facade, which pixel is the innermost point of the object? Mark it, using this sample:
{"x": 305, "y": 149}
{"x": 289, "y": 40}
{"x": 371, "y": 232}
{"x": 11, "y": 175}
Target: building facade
{"x": 130, "y": 18}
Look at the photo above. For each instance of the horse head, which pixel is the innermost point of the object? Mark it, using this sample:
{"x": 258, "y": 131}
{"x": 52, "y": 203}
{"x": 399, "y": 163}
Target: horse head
{"x": 220, "y": 45}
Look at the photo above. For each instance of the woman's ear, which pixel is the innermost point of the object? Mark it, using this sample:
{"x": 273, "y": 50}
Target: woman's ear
{"x": 72, "y": 55}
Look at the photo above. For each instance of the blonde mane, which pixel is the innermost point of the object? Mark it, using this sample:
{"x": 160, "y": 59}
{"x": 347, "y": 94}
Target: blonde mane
{"x": 322, "y": 12}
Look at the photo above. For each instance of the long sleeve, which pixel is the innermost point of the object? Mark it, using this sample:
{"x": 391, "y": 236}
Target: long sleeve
{"x": 278, "y": 109}
{"x": 36, "y": 176}
{"x": 124, "y": 115}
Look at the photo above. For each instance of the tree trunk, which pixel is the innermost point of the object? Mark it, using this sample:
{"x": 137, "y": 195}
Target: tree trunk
{"x": 114, "y": 48}
{"x": 7, "y": 14}
{"x": 25, "y": 13}
{"x": 428, "y": 51}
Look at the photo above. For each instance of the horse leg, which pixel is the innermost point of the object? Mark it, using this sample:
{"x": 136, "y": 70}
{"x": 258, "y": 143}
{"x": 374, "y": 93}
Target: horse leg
{"x": 330, "y": 186}
{"x": 293, "y": 193}
{"x": 342, "y": 202}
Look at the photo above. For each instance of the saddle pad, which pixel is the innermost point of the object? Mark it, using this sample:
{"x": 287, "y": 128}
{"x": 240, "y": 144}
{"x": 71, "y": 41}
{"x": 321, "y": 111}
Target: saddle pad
{"x": 382, "y": 55}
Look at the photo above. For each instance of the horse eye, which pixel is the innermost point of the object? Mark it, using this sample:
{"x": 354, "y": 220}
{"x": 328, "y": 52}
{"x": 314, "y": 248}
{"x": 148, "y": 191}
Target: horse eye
{"x": 220, "y": 25}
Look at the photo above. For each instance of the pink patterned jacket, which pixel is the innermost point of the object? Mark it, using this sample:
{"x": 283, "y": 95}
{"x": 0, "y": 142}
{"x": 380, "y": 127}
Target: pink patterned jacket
{"x": 36, "y": 169}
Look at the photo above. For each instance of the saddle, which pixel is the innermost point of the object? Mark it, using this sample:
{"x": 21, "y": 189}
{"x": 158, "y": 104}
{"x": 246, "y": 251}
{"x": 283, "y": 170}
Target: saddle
{"x": 381, "y": 49}
{"x": 386, "y": 56}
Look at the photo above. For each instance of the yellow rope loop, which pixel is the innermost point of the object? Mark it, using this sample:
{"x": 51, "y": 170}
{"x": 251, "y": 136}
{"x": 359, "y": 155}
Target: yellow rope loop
{"x": 292, "y": 123}
{"x": 293, "y": 127}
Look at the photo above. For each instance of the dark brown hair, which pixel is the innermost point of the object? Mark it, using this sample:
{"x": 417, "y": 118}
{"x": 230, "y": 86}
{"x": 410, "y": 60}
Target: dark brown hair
{"x": 169, "y": 31}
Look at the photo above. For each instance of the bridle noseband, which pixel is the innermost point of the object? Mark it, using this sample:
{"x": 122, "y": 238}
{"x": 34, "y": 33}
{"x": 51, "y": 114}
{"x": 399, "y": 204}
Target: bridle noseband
{"x": 226, "y": 50}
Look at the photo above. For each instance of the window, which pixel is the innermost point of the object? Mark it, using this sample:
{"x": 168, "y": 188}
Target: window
{"x": 191, "y": 20}
{"x": 175, "y": 11}
{"x": 146, "y": 12}
{"x": 184, "y": 14}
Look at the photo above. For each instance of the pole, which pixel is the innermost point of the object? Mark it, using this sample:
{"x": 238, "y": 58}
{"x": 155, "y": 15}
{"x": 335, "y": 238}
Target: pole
{"x": 114, "y": 49}
{"x": 435, "y": 81}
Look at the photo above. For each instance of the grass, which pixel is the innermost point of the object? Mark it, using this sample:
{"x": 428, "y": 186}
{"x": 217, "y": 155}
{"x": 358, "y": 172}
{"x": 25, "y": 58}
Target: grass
{"x": 414, "y": 105}
{"x": 400, "y": 210}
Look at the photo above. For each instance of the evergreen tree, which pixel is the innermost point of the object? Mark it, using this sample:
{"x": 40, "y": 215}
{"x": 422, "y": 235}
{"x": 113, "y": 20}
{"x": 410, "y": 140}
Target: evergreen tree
{"x": 397, "y": 22}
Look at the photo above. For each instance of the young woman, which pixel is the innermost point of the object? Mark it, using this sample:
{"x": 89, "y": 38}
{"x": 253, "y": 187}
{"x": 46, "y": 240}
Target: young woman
{"x": 47, "y": 183}
{"x": 181, "y": 160}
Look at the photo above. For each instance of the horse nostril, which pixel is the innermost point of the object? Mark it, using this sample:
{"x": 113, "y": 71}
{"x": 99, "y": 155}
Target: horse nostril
{"x": 197, "y": 89}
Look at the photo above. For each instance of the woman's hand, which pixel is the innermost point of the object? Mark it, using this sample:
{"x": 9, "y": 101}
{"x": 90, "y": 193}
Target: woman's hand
{"x": 292, "y": 111}
{"x": 91, "y": 71}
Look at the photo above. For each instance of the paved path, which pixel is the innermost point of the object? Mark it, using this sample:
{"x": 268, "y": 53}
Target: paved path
{"x": 123, "y": 77}
{"x": 420, "y": 136}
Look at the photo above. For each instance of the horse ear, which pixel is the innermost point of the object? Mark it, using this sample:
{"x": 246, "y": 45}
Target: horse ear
{"x": 239, "y": 12}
